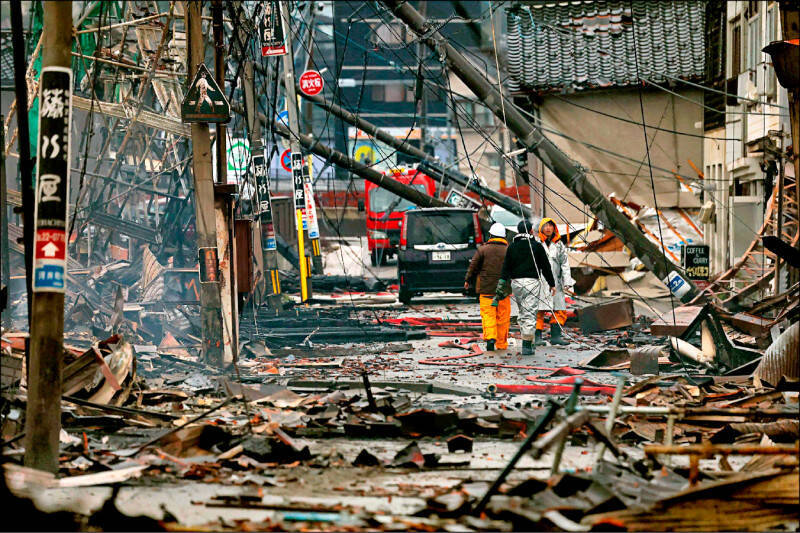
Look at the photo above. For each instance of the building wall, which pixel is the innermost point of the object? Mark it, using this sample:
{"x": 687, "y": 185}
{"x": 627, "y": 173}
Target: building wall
{"x": 717, "y": 194}
{"x": 628, "y": 179}
{"x": 740, "y": 196}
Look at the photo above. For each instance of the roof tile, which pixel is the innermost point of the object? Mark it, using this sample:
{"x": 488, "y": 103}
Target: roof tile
{"x": 585, "y": 44}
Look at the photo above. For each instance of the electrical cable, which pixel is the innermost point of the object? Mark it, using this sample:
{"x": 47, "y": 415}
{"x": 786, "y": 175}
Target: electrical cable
{"x": 655, "y": 196}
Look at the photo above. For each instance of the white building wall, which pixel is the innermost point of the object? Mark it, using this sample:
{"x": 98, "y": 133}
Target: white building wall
{"x": 715, "y": 230}
{"x": 740, "y": 198}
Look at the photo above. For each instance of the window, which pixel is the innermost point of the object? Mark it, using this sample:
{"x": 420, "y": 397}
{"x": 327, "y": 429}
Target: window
{"x": 434, "y": 227}
{"x": 736, "y": 48}
{"x": 395, "y": 92}
{"x": 753, "y": 42}
{"x": 389, "y": 34}
{"x": 381, "y": 200}
{"x": 493, "y": 160}
{"x": 482, "y": 115}
{"x": 392, "y": 92}
{"x": 772, "y": 35}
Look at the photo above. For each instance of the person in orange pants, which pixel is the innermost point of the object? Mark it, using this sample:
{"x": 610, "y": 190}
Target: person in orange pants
{"x": 495, "y": 321}
{"x": 556, "y": 303}
{"x": 558, "y": 317}
{"x": 484, "y": 271}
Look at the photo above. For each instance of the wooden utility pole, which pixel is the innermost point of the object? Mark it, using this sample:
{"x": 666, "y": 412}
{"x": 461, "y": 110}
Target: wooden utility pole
{"x": 310, "y": 213}
{"x": 262, "y": 197}
{"x": 298, "y": 162}
{"x": 43, "y": 413}
{"x": 205, "y": 220}
{"x": 224, "y": 208}
{"x": 4, "y": 259}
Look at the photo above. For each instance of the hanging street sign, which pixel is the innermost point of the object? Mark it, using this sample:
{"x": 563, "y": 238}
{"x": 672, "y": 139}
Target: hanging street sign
{"x": 52, "y": 180}
{"x": 273, "y": 42}
{"x": 297, "y": 181}
{"x": 286, "y": 160}
{"x": 457, "y": 198}
{"x": 205, "y": 101}
{"x": 311, "y": 83}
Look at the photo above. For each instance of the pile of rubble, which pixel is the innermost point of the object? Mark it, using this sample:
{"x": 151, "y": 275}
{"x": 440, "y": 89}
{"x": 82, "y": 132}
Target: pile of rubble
{"x": 740, "y": 439}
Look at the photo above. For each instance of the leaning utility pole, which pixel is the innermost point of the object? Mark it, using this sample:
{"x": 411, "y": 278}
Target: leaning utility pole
{"x": 361, "y": 170}
{"x": 531, "y": 136}
{"x": 205, "y": 220}
{"x": 43, "y": 412}
{"x": 415, "y": 196}
{"x": 298, "y": 161}
{"x": 428, "y": 163}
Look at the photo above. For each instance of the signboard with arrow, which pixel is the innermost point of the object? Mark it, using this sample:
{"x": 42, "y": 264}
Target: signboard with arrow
{"x": 52, "y": 180}
{"x": 205, "y": 101}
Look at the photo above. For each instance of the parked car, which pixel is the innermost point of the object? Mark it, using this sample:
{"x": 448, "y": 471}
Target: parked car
{"x": 436, "y": 246}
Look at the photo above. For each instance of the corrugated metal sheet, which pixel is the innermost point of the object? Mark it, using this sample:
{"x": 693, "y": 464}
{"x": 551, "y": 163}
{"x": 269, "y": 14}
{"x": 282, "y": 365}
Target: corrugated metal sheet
{"x": 590, "y": 44}
{"x": 782, "y": 358}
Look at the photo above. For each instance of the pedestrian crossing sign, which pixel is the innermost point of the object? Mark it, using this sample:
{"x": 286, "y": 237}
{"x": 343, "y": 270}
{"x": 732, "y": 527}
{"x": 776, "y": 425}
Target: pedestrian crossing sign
{"x": 205, "y": 101}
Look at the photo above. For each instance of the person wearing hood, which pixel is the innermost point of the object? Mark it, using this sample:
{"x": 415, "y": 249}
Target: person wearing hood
{"x": 484, "y": 272}
{"x": 525, "y": 268}
{"x": 556, "y": 303}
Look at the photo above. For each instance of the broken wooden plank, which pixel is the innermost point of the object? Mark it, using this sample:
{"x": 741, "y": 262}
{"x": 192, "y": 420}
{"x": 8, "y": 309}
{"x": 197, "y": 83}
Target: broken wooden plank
{"x": 674, "y": 322}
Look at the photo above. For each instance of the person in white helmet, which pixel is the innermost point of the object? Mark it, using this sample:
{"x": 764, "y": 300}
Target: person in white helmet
{"x": 484, "y": 271}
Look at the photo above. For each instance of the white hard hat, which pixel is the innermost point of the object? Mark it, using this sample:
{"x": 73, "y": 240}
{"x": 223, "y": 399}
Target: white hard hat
{"x": 497, "y": 230}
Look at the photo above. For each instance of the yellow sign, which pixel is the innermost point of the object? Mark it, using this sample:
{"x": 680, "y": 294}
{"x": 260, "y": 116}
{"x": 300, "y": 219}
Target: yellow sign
{"x": 365, "y": 154}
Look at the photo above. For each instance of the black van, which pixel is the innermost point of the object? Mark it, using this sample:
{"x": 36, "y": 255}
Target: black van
{"x": 436, "y": 246}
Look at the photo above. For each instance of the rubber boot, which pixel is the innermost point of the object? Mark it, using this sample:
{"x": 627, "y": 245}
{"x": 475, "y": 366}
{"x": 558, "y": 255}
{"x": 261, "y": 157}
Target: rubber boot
{"x": 527, "y": 348}
{"x": 490, "y": 345}
{"x": 537, "y": 338}
{"x": 555, "y": 336}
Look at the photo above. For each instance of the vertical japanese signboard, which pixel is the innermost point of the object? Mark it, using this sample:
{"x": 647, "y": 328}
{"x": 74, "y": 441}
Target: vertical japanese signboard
{"x": 52, "y": 180}
{"x": 297, "y": 181}
{"x": 273, "y": 42}
{"x": 263, "y": 202}
{"x": 310, "y": 221}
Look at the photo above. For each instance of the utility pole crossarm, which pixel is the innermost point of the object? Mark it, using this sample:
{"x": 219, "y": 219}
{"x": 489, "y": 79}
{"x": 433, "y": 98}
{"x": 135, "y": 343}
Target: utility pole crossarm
{"x": 566, "y": 170}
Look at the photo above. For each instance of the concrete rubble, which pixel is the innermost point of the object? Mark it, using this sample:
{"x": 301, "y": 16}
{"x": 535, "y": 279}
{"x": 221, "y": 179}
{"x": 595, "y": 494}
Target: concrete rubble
{"x": 389, "y": 417}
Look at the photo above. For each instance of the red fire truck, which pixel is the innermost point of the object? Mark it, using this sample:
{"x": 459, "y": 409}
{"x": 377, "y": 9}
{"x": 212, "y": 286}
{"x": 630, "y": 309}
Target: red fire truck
{"x": 385, "y": 212}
